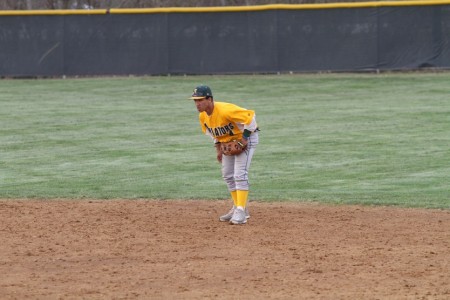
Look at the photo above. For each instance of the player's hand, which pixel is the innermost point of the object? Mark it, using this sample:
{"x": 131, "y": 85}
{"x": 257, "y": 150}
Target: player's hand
{"x": 244, "y": 143}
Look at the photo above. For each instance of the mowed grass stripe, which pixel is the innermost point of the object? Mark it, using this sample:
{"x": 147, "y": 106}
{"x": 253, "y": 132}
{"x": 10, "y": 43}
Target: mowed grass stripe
{"x": 338, "y": 138}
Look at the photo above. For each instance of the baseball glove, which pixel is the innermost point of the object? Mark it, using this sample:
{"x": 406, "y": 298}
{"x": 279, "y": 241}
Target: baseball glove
{"x": 234, "y": 147}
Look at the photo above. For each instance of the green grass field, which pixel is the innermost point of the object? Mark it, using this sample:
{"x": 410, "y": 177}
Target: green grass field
{"x": 380, "y": 139}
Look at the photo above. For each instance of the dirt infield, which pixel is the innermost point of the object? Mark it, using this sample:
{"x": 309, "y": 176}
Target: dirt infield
{"x": 147, "y": 249}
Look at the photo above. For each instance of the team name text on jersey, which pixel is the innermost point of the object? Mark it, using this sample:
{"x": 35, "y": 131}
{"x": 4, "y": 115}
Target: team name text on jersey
{"x": 221, "y": 130}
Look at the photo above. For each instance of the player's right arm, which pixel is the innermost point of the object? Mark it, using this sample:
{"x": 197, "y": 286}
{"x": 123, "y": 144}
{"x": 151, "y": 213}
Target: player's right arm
{"x": 216, "y": 141}
{"x": 219, "y": 153}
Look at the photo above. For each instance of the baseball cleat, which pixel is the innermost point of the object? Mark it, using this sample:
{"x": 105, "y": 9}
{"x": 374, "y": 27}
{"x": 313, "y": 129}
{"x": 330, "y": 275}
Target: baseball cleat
{"x": 238, "y": 217}
{"x": 227, "y": 217}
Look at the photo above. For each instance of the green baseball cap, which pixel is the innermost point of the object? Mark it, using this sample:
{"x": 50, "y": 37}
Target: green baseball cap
{"x": 200, "y": 92}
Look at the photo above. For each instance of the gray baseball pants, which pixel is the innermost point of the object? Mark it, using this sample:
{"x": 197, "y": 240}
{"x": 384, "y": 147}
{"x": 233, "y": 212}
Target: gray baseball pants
{"x": 235, "y": 168}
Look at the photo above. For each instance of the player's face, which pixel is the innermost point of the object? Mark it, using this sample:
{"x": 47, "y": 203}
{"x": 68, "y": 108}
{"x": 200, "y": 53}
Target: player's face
{"x": 202, "y": 104}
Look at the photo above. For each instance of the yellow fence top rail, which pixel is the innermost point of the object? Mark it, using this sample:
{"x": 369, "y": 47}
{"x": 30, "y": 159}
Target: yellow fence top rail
{"x": 223, "y": 8}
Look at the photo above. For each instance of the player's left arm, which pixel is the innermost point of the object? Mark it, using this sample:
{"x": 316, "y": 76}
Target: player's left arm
{"x": 248, "y": 130}
{"x": 250, "y": 127}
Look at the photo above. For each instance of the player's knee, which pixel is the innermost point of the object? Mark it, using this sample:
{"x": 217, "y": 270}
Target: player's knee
{"x": 228, "y": 179}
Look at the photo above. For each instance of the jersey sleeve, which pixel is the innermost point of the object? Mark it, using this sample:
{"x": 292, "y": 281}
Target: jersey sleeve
{"x": 252, "y": 126}
{"x": 202, "y": 123}
{"x": 240, "y": 115}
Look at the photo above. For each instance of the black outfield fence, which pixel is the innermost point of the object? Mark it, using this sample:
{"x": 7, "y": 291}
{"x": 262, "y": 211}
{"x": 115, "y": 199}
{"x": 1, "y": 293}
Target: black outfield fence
{"x": 220, "y": 40}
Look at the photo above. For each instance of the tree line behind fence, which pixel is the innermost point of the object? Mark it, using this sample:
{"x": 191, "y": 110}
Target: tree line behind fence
{"x": 104, "y": 4}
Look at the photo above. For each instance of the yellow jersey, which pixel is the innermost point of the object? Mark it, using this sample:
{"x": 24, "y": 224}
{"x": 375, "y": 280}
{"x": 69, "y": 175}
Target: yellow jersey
{"x": 227, "y": 121}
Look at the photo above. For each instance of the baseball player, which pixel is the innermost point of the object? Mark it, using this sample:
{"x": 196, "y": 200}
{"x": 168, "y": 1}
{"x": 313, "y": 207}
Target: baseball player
{"x": 235, "y": 134}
